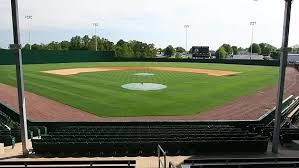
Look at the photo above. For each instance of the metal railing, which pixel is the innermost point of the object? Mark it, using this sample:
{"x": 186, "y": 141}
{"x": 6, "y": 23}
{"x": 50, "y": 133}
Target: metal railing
{"x": 171, "y": 165}
{"x": 161, "y": 162}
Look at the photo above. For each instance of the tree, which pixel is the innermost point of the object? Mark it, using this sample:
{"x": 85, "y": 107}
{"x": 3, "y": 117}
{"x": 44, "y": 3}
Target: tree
{"x": 104, "y": 44}
{"x": 228, "y": 49}
{"x": 180, "y": 49}
{"x": 35, "y": 47}
{"x": 26, "y": 47}
{"x": 266, "y": 49}
{"x": 53, "y": 46}
{"x": 143, "y": 50}
{"x": 178, "y": 55}
{"x": 152, "y": 50}
{"x": 65, "y": 45}
{"x": 275, "y": 54}
{"x": 85, "y": 42}
{"x": 121, "y": 42}
{"x": 235, "y": 50}
{"x": 75, "y": 43}
{"x": 255, "y": 48}
{"x": 159, "y": 50}
{"x": 138, "y": 48}
{"x": 92, "y": 43}
{"x": 169, "y": 51}
{"x": 221, "y": 53}
{"x": 122, "y": 49}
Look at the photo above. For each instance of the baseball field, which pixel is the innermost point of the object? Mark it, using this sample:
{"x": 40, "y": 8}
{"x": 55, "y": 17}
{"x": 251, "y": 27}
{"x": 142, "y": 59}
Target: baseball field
{"x": 96, "y": 87}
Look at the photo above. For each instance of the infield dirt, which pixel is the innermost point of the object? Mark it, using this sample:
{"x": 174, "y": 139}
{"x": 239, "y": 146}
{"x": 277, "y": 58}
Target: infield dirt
{"x": 101, "y": 69}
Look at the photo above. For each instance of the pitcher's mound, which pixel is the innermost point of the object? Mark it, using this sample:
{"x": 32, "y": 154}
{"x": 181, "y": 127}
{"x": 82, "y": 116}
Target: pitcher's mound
{"x": 143, "y": 86}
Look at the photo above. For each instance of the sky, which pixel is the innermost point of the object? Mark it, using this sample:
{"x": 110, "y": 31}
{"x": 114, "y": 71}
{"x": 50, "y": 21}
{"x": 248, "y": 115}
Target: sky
{"x": 212, "y": 22}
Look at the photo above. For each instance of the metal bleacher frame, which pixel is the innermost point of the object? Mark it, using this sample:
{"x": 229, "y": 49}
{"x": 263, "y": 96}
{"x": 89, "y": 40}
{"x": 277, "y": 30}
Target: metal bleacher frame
{"x": 171, "y": 165}
{"x": 68, "y": 163}
{"x": 240, "y": 162}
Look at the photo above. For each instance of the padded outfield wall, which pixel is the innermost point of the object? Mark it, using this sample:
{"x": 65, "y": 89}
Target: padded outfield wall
{"x": 7, "y": 57}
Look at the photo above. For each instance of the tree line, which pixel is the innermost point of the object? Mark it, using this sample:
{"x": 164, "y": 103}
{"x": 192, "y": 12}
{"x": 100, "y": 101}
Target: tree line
{"x": 125, "y": 49}
{"x": 138, "y": 49}
{"x": 132, "y": 48}
{"x": 265, "y": 49}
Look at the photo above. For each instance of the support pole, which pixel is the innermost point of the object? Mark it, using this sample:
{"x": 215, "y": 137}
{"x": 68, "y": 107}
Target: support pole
{"x": 95, "y": 32}
{"x": 283, "y": 64}
{"x": 20, "y": 84}
{"x": 186, "y": 39}
{"x": 252, "y": 31}
{"x": 186, "y": 28}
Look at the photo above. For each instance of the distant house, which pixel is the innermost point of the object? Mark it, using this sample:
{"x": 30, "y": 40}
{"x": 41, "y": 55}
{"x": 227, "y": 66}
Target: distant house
{"x": 292, "y": 58}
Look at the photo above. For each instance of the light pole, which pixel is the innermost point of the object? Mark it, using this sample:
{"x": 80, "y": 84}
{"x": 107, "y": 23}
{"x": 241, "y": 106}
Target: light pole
{"x": 186, "y": 28}
{"x": 29, "y": 17}
{"x": 252, "y": 30}
{"x": 95, "y": 34}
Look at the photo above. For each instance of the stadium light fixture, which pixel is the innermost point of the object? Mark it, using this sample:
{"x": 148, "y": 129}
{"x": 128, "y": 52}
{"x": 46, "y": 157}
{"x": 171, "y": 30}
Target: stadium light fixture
{"x": 186, "y": 28}
{"x": 252, "y": 24}
{"x": 95, "y": 34}
{"x": 29, "y": 17}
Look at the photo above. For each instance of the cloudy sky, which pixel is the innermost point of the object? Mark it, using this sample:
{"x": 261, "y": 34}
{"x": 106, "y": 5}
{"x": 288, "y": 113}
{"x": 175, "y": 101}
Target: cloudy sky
{"x": 212, "y": 22}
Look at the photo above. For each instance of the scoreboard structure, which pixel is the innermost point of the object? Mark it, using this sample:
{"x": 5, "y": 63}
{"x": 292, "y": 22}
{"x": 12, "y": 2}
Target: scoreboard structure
{"x": 200, "y": 52}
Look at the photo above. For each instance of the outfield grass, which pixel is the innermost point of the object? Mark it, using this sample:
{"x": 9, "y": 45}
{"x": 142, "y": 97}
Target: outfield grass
{"x": 100, "y": 92}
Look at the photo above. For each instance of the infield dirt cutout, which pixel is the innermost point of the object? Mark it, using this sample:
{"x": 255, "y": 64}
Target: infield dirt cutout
{"x": 102, "y": 69}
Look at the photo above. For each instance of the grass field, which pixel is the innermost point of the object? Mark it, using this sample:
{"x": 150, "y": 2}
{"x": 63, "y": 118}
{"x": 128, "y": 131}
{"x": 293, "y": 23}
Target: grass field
{"x": 100, "y": 92}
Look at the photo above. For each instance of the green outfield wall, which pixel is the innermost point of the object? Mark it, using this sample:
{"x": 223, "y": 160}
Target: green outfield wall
{"x": 7, "y": 57}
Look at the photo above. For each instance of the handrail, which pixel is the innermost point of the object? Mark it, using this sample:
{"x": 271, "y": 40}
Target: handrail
{"x": 160, "y": 162}
{"x": 171, "y": 165}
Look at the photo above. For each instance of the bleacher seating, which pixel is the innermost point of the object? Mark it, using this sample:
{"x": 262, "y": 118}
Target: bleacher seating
{"x": 7, "y": 136}
{"x": 10, "y": 130}
{"x": 242, "y": 163}
{"x": 143, "y": 140}
{"x": 286, "y": 134}
{"x": 288, "y": 131}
